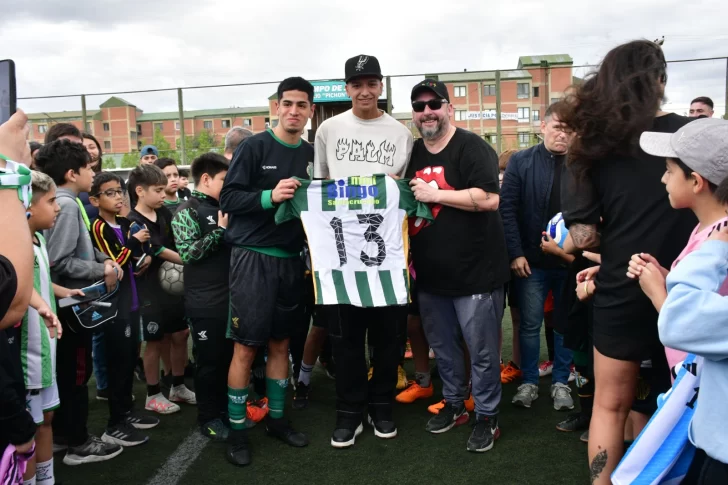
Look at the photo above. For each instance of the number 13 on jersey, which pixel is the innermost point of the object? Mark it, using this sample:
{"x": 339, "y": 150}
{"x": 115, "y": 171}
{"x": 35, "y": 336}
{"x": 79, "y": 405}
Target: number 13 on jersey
{"x": 357, "y": 237}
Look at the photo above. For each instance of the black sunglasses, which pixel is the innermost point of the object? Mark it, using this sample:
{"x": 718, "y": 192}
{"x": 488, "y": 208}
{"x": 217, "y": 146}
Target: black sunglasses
{"x": 433, "y": 104}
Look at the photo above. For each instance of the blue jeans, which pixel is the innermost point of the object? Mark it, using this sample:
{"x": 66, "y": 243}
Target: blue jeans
{"x": 532, "y": 292}
{"x": 99, "y": 357}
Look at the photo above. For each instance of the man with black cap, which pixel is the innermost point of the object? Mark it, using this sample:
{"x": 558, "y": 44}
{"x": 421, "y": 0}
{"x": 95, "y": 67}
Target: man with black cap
{"x": 148, "y": 154}
{"x": 359, "y": 142}
{"x": 461, "y": 261}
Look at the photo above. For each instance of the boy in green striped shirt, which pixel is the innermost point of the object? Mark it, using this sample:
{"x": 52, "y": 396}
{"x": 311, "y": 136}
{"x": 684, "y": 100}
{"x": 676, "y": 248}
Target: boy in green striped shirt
{"x": 38, "y": 333}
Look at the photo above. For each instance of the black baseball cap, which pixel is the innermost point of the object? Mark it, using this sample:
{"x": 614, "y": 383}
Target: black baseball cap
{"x": 361, "y": 66}
{"x": 433, "y": 85}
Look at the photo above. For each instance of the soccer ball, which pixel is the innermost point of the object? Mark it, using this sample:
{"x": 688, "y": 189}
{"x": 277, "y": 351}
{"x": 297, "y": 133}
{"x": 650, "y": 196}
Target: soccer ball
{"x": 557, "y": 229}
{"x": 172, "y": 279}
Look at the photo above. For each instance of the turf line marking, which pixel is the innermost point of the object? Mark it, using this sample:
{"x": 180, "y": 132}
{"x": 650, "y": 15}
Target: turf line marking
{"x": 177, "y": 464}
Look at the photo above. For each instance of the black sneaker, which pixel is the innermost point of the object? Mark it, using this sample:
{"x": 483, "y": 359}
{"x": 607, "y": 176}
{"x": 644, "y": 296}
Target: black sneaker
{"x": 281, "y": 429}
{"x": 485, "y": 432}
{"x": 300, "y": 396}
{"x": 215, "y": 430}
{"x": 448, "y": 417}
{"x": 91, "y": 451}
{"x": 238, "y": 450}
{"x": 330, "y": 368}
{"x": 123, "y": 434}
{"x": 574, "y": 422}
{"x": 141, "y": 421}
{"x": 139, "y": 371}
{"x": 346, "y": 431}
{"x": 380, "y": 417}
{"x": 102, "y": 394}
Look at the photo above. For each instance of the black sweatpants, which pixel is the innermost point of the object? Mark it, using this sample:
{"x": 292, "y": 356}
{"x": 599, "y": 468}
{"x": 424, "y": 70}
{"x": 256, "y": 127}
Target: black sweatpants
{"x": 121, "y": 337}
{"x": 212, "y": 352}
{"x": 348, "y": 326}
{"x": 73, "y": 370}
{"x": 705, "y": 470}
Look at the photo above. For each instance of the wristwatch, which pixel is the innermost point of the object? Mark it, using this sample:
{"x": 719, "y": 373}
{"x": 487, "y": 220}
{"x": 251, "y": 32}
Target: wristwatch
{"x": 16, "y": 176}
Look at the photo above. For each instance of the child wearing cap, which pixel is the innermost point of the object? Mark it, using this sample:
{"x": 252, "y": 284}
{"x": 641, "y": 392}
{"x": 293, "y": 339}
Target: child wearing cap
{"x": 696, "y": 163}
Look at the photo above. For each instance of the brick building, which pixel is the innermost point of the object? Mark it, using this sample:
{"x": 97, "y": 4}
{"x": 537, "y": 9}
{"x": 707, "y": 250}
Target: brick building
{"x": 122, "y": 127}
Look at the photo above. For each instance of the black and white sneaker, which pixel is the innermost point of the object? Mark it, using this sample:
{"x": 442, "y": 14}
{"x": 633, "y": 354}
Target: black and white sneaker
{"x": 448, "y": 417}
{"x": 102, "y": 394}
{"x": 140, "y": 421}
{"x": 92, "y": 451}
{"x": 300, "y": 396}
{"x": 124, "y": 434}
{"x": 380, "y": 417}
{"x": 347, "y": 429}
{"x": 485, "y": 432}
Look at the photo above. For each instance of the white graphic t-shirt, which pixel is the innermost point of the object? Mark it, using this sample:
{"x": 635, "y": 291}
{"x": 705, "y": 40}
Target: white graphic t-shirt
{"x": 347, "y": 146}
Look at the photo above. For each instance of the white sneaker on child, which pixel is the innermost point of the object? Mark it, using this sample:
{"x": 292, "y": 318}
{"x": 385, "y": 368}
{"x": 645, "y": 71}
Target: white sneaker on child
{"x": 182, "y": 394}
{"x": 160, "y": 404}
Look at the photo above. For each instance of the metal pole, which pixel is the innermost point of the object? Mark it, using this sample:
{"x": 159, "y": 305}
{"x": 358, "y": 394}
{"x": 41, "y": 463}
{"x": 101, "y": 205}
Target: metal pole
{"x": 498, "y": 128}
{"x": 389, "y": 95}
{"x": 183, "y": 141}
{"x": 83, "y": 112}
{"x": 725, "y": 116}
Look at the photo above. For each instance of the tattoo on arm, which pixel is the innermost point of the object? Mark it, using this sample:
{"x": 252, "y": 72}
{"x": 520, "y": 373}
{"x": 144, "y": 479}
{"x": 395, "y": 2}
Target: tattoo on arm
{"x": 597, "y": 465}
{"x": 476, "y": 207}
{"x": 584, "y": 236}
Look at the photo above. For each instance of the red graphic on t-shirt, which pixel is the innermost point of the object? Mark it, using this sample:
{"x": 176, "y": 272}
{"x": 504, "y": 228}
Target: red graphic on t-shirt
{"x": 435, "y": 177}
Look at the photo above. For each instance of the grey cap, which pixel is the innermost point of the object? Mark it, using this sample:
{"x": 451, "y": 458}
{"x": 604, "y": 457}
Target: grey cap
{"x": 702, "y": 145}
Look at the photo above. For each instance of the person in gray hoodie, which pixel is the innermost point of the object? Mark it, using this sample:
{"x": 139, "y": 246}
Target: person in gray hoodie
{"x": 74, "y": 263}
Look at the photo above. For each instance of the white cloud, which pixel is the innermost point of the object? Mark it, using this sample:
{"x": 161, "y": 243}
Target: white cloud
{"x": 118, "y": 45}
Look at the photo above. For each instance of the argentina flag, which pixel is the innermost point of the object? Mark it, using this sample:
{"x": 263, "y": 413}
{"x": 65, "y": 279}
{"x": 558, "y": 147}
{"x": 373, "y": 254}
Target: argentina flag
{"x": 662, "y": 453}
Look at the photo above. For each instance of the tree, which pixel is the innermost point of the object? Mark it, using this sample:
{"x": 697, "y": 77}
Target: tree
{"x": 108, "y": 163}
{"x": 130, "y": 160}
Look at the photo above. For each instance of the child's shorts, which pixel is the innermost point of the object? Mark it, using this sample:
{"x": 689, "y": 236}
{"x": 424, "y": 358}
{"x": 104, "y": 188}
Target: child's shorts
{"x": 42, "y": 401}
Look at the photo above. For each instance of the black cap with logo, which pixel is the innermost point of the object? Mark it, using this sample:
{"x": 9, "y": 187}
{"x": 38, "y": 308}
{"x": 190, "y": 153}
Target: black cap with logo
{"x": 433, "y": 85}
{"x": 361, "y": 66}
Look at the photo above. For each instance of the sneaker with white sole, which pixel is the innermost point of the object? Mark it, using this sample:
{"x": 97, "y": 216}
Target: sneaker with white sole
{"x": 92, "y": 451}
{"x": 140, "y": 421}
{"x": 182, "y": 394}
{"x": 561, "y": 394}
{"x": 125, "y": 435}
{"x": 526, "y": 394}
{"x": 546, "y": 368}
{"x": 160, "y": 404}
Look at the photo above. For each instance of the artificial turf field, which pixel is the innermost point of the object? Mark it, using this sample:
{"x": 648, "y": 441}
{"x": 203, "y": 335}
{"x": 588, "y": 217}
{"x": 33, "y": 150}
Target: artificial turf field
{"x": 529, "y": 451}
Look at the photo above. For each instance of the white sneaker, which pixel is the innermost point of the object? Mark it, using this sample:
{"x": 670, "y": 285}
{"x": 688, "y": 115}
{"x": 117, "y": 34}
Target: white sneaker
{"x": 526, "y": 394}
{"x": 160, "y": 404}
{"x": 182, "y": 394}
{"x": 572, "y": 373}
{"x": 561, "y": 394}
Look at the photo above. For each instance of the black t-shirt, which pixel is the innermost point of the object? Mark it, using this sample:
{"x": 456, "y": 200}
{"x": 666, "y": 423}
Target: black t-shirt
{"x": 461, "y": 253}
{"x": 160, "y": 233}
{"x": 259, "y": 163}
{"x": 8, "y": 285}
{"x": 627, "y": 193}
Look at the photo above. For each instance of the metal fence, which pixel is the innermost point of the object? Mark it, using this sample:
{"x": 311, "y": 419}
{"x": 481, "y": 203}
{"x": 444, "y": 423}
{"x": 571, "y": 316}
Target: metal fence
{"x": 493, "y": 112}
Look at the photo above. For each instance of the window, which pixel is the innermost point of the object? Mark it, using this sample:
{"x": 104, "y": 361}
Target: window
{"x": 133, "y": 135}
{"x": 523, "y": 90}
{"x": 535, "y": 92}
{"x": 555, "y": 100}
{"x": 176, "y": 125}
{"x": 267, "y": 123}
{"x": 139, "y": 128}
{"x": 524, "y": 139}
{"x": 158, "y": 126}
{"x": 489, "y": 90}
{"x": 460, "y": 115}
{"x": 524, "y": 114}
{"x": 246, "y": 122}
{"x": 536, "y": 115}
{"x": 106, "y": 127}
{"x": 225, "y": 123}
{"x": 42, "y": 128}
{"x": 107, "y": 145}
{"x": 207, "y": 125}
{"x": 459, "y": 91}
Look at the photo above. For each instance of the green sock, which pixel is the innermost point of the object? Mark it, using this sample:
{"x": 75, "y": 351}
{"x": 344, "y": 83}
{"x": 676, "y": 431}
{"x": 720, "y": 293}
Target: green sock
{"x": 275, "y": 390}
{"x": 237, "y": 407}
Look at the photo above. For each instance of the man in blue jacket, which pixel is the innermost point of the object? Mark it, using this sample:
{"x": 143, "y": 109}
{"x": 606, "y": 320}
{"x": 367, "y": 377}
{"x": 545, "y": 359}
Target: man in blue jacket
{"x": 530, "y": 197}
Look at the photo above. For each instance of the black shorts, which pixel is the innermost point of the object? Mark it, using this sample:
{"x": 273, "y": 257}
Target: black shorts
{"x": 414, "y": 306}
{"x": 162, "y": 316}
{"x": 266, "y": 294}
{"x": 653, "y": 381}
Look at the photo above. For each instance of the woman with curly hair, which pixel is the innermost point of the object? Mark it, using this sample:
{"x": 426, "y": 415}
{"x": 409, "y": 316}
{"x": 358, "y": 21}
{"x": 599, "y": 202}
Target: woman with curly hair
{"x": 613, "y": 199}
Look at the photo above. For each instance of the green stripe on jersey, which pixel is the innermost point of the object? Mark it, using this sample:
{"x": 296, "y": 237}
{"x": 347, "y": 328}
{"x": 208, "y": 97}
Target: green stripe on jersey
{"x": 317, "y": 283}
{"x": 342, "y": 297}
{"x": 380, "y": 201}
{"x": 386, "y": 278}
{"x": 362, "y": 285}
{"x": 325, "y": 206}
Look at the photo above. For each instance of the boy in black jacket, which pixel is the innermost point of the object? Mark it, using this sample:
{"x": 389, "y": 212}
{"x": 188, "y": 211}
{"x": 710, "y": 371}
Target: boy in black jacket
{"x": 111, "y": 235}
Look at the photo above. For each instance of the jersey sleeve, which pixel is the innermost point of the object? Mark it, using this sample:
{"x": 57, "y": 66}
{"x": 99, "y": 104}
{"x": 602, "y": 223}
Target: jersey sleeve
{"x": 409, "y": 204}
{"x": 479, "y": 167}
{"x": 238, "y": 196}
{"x": 292, "y": 208}
{"x": 192, "y": 246}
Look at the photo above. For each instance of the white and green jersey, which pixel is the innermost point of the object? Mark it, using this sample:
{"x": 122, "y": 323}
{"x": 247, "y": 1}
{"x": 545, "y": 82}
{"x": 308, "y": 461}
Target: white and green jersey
{"x": 357, "y": 236}
{"x": 38, "y": 349}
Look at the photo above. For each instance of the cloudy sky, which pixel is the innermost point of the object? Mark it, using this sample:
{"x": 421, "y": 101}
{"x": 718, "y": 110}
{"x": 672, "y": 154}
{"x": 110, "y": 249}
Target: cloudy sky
{"x": 100, "y": 46}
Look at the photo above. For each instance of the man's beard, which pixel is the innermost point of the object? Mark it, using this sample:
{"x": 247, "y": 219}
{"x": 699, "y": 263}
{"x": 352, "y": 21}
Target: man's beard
{"x": 432, "y": 133}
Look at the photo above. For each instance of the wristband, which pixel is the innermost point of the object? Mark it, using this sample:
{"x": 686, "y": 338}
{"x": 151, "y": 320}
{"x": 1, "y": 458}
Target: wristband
{"x": 16, "y": 176}
{"x": 586, "y": 288}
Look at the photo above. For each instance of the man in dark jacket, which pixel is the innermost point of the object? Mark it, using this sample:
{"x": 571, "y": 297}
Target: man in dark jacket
{"x": 530, "y": 197}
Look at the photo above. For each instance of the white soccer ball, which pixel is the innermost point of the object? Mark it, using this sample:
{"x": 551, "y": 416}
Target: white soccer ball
{"x": 557, "y": 229}
{"x": 171, "y": 277}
